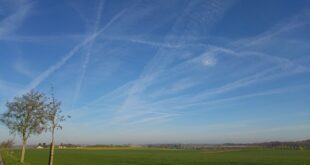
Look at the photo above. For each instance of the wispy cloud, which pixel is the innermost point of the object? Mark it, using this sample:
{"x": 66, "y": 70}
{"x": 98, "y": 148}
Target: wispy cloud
{"x": 174, "y": 88}
{"x": 247, "y": 96}
{"x": 8, "y": 89}
{"x": 20, "y": 10}
{"x": 209, "y": 61}
{"x": 161, "y": 60}
{"x": 145, "y": 42}
{"x": 163, "y": 64}
{"x": 299, "y": 20}
{"x": 138, "y": 66}
{"x": 70, "y": 54}
{"x": 156, "y": 117}
{"x": 23, "y": 68}
{"x": 176, "y": 106}
{"x": 42, "y": 39}
{"x": 89, "y": 51}
{"x": 203, "y": 96}
{"x": 160, "y": 67}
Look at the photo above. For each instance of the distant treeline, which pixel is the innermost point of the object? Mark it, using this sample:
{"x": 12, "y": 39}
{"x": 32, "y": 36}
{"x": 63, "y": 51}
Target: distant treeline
{"x": 276, "y": 144}
{"x": 288, "y": 145}
{"x": 108, "y": 145}
{"x": 298, "y": 145}
{"x": 69, "y": 145}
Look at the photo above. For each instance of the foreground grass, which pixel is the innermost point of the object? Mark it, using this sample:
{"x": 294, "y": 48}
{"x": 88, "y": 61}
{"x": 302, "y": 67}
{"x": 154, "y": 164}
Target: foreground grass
{"x": 140, "y": 156}
{"x": 9, "y": 157}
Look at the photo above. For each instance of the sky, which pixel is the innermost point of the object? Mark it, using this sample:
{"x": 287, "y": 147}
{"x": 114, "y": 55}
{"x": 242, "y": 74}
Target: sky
{"x": 177, "y": 71}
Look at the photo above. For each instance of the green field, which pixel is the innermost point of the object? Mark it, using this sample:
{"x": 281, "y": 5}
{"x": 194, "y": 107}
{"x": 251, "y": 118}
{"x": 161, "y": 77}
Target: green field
{"x": 141, "y": 156}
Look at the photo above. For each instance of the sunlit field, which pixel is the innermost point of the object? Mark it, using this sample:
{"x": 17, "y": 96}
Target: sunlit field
{"x": 143, "y": 156}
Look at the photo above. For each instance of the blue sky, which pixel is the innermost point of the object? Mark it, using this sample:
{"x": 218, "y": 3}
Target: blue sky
{"x": 177, "y": 71}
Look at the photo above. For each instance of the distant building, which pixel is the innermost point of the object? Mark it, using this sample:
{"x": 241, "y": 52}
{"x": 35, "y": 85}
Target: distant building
{"x": 39, "y": 147}
{"x": 62, "y": 147}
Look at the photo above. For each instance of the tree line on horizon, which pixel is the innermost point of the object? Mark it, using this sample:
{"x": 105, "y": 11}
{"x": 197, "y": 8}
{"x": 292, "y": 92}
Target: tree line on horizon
{"x": 32, "y": 114}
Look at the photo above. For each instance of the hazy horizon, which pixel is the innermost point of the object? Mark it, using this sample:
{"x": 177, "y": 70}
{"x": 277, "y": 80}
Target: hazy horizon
{"x": 176, "y": 71}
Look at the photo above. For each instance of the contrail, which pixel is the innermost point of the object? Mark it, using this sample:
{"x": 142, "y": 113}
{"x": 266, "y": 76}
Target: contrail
{"x": 12, "y": 22}
{"x": 44, "y": 75}
{"x": 87, "y": 55}
{"x": 160, "y": 60}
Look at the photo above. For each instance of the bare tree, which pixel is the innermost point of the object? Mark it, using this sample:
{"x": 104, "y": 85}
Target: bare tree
{"x": 25, "y": 116}
{"x": 54, "y": 117}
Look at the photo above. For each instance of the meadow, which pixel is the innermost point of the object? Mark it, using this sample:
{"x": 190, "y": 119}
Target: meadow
{"x": 146, "y": 156}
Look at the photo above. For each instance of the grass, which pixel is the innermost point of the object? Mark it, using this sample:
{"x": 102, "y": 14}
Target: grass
{"x": 139, "y": 156}
{"x": 9, "y": 158}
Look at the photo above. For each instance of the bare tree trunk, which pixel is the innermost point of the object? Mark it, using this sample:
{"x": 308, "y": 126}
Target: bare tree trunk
{"x": 51, "y": 157}
{"x": 22, "y": 157}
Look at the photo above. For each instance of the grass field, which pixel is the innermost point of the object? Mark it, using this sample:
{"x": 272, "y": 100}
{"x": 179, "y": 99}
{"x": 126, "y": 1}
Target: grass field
{"x": 168, "y": 157}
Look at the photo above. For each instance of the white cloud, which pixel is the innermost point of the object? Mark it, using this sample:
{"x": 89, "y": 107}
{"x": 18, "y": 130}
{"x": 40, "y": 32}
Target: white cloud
{"x": 209, "y": 61}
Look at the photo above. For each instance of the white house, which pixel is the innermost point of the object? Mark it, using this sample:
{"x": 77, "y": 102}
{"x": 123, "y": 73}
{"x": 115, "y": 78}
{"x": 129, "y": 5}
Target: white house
{"x": 39, "y": 147}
